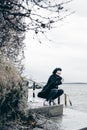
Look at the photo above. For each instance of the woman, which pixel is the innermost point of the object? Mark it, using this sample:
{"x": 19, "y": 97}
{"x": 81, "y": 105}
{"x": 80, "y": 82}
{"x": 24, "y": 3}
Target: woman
{"x": 50, "y": 91}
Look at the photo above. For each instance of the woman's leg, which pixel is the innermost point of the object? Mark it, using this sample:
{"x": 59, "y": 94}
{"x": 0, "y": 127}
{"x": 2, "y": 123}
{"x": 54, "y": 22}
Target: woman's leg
{"x": 58, "y": 94}
{"x": 51, "y": 95}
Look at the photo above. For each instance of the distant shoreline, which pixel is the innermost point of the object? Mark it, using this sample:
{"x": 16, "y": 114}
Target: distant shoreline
{"x": 75, "y": 83}
{"x": 69, "y": 82}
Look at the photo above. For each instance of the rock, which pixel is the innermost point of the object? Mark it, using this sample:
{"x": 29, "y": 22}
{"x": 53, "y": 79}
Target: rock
{"x": 38, "y": 129}
{"x": 44, "y": 123}
{"x": 9, "y": 128}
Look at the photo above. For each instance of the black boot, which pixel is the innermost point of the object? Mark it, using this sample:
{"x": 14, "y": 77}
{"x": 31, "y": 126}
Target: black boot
{"x": 49, "y": 102}
{"x": 53, "y": 102}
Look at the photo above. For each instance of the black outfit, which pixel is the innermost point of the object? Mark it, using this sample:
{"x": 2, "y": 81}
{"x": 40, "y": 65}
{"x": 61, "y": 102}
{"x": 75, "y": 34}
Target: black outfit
{"x": 50, "y": 91}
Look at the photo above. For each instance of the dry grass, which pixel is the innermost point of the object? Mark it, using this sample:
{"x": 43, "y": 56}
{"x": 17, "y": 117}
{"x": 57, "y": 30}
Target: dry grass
{"x": 8, "y": 74}
{"x": 13, "y": 91}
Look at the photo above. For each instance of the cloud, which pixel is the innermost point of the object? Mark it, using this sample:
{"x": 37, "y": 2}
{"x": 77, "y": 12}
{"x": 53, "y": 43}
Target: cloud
{"x": 67, "y": 50}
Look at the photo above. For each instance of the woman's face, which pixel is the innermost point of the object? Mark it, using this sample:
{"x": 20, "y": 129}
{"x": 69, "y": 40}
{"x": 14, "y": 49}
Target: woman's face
{"x": 58, "y": 72}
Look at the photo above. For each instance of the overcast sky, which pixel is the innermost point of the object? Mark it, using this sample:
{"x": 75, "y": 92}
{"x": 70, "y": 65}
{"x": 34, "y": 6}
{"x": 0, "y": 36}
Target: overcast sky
{"x": 67, "y": 49}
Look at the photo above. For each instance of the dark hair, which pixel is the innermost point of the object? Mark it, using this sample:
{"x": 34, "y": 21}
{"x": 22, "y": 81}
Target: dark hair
{"x": 56, "y": 69}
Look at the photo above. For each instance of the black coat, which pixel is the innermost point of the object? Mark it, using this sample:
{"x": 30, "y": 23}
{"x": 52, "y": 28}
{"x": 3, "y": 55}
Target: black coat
{"x": 52, "y": 83}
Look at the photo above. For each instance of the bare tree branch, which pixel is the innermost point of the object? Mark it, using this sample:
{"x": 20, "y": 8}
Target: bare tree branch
{"x": 20, "y": 15}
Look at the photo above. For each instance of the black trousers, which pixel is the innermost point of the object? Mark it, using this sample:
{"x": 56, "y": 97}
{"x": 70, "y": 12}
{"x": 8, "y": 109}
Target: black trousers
{"x": 54, "y": 93}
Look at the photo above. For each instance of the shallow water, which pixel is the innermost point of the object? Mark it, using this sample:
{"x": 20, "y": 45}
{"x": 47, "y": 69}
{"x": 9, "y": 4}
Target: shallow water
{"x": 77, "y": 94}
{"x": 71, "y": 120}
{"x": 74, "y": 117}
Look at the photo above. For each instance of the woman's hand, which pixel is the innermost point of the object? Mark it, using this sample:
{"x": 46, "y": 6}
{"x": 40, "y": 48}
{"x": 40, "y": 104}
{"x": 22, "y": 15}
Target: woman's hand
{"x": 62, "y": 80}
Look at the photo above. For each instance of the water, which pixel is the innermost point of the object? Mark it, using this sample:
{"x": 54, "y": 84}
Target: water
{"x": 74, "y": 117}
{"x": 77, "y": 95}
